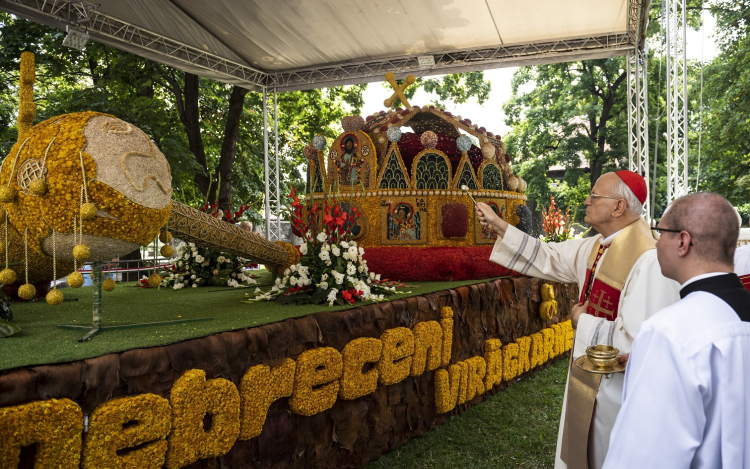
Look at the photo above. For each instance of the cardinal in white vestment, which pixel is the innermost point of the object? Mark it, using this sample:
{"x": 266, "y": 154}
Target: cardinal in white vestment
{"x": 742, "y": 264}
{"x": 626, "y": 288}
{"x": 686, "y": 402}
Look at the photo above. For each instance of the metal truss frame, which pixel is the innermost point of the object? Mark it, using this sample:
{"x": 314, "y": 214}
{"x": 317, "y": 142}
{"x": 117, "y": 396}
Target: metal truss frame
{"x": 637, "y": 78}
{"x": 99, "y": 25}
{"x": 448, "y": 61}
{"x": 272, "y": 173}
{"x": 677, "y": 101}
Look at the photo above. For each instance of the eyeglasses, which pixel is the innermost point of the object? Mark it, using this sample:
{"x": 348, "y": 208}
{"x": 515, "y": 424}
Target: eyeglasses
{"x": 597, "y": 196}
{"x": 665, "y": 230}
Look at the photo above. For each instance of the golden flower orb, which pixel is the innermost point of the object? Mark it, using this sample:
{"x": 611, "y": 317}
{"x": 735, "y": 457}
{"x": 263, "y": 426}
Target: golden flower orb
{"x": 7, "y": 276}
{"x": 108, "y": 284}
{"x": 154, "y": 280}
{"x": 38, "y": 187}
{"x": 81, "y": 252}
{"x": 55, "y": 297}
{"x": 88, "y": 211}
{"x": 75, "y": 280}
{"x": 165, "y": 236}
{"x": 27, "y": 291}
{"x": 131, "y": 195}
{"x": 7, "y": 195}
{"x": 167, "y": 250}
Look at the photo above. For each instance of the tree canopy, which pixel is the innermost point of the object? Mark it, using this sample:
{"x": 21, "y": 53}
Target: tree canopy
{"x": 574, "y": 115}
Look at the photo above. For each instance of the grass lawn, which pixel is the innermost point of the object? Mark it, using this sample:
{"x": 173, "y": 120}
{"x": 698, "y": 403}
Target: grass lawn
{"x": 41, "y": 342}
{"x": 514, "y": 428}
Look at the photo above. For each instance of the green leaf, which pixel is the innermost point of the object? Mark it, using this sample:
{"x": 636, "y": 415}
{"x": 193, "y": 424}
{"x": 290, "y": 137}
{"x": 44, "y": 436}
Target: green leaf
{"x": 8, "y": 328}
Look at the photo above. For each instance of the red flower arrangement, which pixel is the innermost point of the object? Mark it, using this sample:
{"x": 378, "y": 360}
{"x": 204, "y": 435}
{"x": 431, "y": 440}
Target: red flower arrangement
{"x": 228, "y": 216}
{"x": 556, "y": 225}
{"x": 331, "y": 268}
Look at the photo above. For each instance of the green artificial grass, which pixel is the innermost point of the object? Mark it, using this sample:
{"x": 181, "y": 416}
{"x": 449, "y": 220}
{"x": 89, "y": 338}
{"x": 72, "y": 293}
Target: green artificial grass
{"x": 41, "y": 341}
{"x": 514, "y": 428}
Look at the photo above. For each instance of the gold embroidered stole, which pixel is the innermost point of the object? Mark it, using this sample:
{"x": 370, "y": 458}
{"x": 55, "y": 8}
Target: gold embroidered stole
{"x": 623, "y": 253}
{"x": 627, "y": 247}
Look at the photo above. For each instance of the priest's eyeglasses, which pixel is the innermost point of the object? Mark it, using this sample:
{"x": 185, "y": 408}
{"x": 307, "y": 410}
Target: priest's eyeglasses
{"x": 665, "y": 230}
{"x": 594, "y": 196}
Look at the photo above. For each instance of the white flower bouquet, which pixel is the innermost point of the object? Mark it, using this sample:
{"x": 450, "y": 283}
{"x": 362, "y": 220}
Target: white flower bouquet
{"x": 195, "y": 266}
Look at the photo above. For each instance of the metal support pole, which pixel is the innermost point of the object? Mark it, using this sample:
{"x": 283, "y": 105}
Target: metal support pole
{"x": 277, "y": 171}
{"x": 96, "y": 276}
{"x": 266, "y": 166}
{"x": 638, "y": 158}
{"x": 96, "y": 323}
{"x": 677, "y": 123}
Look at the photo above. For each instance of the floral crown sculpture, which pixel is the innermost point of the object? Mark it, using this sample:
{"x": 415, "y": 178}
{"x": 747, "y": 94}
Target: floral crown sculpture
{"x": 409, "y": 165}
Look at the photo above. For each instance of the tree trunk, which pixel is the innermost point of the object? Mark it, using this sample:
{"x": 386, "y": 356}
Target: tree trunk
{"x": 229, "y": 146}
{"x": 600, "y": 136}
{"x": 191, "y": 120}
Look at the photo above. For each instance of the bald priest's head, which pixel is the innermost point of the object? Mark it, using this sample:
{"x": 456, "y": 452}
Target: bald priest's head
{"x": 616, "y": 201}
{"x": 698, "y": 236}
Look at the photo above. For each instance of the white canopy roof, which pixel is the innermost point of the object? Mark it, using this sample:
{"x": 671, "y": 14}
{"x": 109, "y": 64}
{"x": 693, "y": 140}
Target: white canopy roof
{"x": 302, "y": 44}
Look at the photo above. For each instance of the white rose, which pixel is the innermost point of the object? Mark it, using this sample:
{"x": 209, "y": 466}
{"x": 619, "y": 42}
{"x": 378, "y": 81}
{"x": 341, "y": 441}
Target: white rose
{"x": 332, "y": 296}
{"x": 321, "y": 237}
{"x": 335, "y": 250}
{"x": 323, "y": 277}
{"x": 199, "y": 259}
{"x": 350, "y": 269}
{"x": 192, "y": 277}
{"x": 324, "y": 285}
{"x": 344, "y": 244}
{"x": 293, "y": 281}
{"x": 303, "y": 249}
{"x": 339, "y": 277}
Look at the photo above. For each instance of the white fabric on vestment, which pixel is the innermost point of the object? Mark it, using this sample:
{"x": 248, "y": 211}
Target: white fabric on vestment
{"x": 686, "y": 402}
{"x": 646, "y": 291}
{"x": 742, "y": 260}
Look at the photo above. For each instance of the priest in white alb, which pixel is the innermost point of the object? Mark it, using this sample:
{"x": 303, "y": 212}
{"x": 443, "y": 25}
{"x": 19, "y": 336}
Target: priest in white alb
{"x": 620, "y": 284}
{"x": 686, "y": 402}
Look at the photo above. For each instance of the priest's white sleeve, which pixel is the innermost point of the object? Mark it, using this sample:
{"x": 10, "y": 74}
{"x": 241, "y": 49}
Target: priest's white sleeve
{"x": 559, "y": 262}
